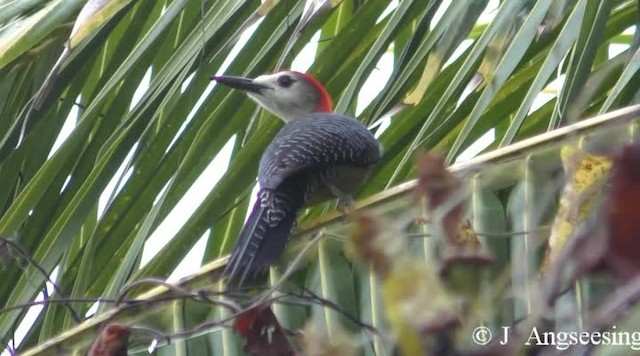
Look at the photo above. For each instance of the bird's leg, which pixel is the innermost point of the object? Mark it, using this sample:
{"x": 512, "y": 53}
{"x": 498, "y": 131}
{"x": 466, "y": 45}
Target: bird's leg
{"x": 345, "y": 201}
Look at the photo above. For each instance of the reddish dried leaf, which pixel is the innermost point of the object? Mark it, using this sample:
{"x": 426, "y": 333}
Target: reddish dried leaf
{"x": 112, "y": 341}
{"x": 264, "y": 335}
{"x": 439, "y": 186}
{"x": 243, "y": 322}
{"x": 434, "y": 180}
{"x": 620, "y": 216}
{"x": 622, "y": 211}
{"x": 466, "y": 236}
{"x": 363, "y": 239}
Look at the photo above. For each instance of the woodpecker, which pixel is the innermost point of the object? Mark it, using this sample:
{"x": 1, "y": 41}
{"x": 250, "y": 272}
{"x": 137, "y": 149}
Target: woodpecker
{"x": 316, "y": 156}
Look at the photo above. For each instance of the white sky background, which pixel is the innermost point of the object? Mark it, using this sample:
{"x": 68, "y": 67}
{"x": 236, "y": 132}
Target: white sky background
{"x": 214, "y": 171}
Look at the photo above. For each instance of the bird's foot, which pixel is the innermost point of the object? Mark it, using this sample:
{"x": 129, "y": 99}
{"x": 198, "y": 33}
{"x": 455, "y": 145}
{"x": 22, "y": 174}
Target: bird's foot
{"x": 346, "y": 203}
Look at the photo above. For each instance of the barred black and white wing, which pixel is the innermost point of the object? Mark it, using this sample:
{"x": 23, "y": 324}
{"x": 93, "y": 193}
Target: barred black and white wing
{"x": 315, "y": 142}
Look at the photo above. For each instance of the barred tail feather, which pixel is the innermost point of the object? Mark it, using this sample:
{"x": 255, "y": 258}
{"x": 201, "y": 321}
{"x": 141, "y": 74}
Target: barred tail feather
{"x": 263, "y": 238}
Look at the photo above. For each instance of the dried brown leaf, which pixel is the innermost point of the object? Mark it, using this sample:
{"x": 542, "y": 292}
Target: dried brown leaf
{"x": 113, "y": 340}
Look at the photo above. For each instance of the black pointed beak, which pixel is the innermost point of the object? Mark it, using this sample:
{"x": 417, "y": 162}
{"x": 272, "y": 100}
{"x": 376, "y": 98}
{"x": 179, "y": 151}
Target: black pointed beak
{"x": 241, "y": 83}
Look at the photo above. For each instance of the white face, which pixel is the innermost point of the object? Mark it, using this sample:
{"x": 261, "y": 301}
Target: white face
{"x": 288, "y": 95}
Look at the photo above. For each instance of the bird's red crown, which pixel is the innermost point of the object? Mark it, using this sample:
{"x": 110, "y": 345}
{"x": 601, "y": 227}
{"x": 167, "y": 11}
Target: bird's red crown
{"x": 325, "y": 104}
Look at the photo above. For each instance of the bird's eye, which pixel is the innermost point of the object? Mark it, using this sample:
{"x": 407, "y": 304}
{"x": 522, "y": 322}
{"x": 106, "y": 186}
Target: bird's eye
{"x": 285, "y": 81}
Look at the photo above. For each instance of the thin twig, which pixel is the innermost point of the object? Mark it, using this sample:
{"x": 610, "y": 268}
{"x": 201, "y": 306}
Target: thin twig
{"x": 493, "y": 233}
{"x": 332, "y": 305}
{"x": 33, "y": 263}
{"x": 197, "y": 296}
